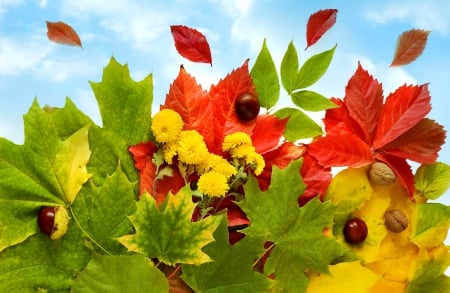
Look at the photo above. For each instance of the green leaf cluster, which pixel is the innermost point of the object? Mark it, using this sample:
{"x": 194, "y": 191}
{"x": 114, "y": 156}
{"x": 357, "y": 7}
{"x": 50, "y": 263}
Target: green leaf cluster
{"x": 298, "y": 243}
{"x": 67, "y": 160}
{"x": 295, "y": 81}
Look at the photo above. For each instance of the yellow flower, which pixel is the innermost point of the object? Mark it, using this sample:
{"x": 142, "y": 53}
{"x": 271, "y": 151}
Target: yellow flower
{"x": 234, "y": 140}
{"x": 170, "y": 151}
{"x": 166, "y": 125}
{"x": 192, "y": 149}
{"x": 213, "y": 183}
{"x": 217, "y": 163}
{"x": 257, "y": 163}
{"x": 243, "y": 151}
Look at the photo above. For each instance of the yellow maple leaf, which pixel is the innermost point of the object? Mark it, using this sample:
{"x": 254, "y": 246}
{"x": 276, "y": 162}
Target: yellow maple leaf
{"x": 344, "y": 277}
{"x": 72, "y": 159}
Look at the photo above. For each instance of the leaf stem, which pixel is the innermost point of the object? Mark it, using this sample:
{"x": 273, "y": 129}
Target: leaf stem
{"x": 262, "y": 255}
{"x": 86, "y": 233}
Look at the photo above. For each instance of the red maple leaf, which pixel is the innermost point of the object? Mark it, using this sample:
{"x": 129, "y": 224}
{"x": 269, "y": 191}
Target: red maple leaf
{"x": 213, "y": 114}
{"x": 364, "y": 129}
{"x": 159, "y": 188}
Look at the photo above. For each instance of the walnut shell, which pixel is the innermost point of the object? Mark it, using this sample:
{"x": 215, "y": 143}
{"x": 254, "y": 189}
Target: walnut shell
{"x": 395, "y": 221}
{"x": 382, "y": 174}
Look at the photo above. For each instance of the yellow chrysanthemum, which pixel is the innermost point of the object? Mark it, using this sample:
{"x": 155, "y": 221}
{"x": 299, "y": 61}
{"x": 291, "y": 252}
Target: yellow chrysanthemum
{"x": 243, "y": 151}
{"x": 170, "y": 151}
{"x": 191, "y": 147}
{"x": 234, "y": 140}
{"x": 213, "y": 183}
{"x": 166, "y": 125}
{"x": 257, "y": 163}
{"x": 217, "y": 163}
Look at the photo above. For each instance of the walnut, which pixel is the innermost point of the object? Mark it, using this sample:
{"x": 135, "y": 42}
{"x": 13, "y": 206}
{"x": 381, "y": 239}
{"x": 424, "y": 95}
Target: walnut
{"x": 382, "y": 174}
{"x": 395, "y": 221}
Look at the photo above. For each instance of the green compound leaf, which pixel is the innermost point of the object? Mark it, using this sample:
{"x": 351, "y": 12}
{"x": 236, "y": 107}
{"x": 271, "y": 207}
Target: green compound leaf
{"x": 49, "y": 169}
{"x": 232, "y": 267}
{"x": 296, "y": 232}
{"x": 167, "y": 232}
{"x": 430, "y": 224}
{"x": 131, "y": 273}
{"x": 42, "y": 263}
{"x": 289, "y": 69}
{"x": 299, "y": 125}
{"x": 125, "y": 107}
{"x": 313, "y": 69}
{"x": 101, "y": 211}
{"x": 432, "y": 180}
{"x": 265, "y": 78}
{"x": 311, "y": 101}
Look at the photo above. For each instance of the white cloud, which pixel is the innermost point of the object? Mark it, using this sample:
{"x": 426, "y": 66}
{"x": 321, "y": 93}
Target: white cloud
{"x": 133, "y": 22}
{"x": 16, "y": 58}
{"x": 429, "y": 15}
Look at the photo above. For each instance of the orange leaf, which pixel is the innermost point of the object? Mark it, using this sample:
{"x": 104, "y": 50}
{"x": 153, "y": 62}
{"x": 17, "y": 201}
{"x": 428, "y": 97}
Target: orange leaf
{"x": 341, "y": 150}
{"x": 62, "y": 33}
{"x": 410, "y": 45}
{"x": 191, "y": 44}
{"x": 403, "y": 109}
{"x": 318, "y": 24}
{"x": 364, "y": 101}
{"x": 421, "y": 143}
{"x": 188, "y": 99}
{"x": 223, "y": 96}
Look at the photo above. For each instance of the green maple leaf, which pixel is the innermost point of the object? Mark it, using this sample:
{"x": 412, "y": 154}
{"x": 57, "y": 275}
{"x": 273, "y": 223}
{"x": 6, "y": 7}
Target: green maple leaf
{"x": 167, "y": 232}
{"x": 296, "y": 232}
{"x": 107, "y": 274}
{"x": 101, "y": 212}
{"x": 42, "y": 263}
{"x": 49, "y": 169}
{"x": 125, "y": 108}
{"x": 232, "y": 267}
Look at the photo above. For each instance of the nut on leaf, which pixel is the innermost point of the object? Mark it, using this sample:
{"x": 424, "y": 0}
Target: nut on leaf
{"x": 382, "y": 174}
{"x": 395, "y": 221}
{"x": 53, "y": 221}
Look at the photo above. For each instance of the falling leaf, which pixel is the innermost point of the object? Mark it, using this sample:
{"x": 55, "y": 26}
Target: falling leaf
{"x": 410, "y": 45}
{"x": 191, "y": 44}
{"x": 318, "y": 24}
{"x": 62, "y": 33}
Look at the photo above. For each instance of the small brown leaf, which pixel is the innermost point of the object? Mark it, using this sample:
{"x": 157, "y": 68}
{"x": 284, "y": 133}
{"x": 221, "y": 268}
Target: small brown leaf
{"x": 410, "y": 45}
{"x": 62, "y": 33}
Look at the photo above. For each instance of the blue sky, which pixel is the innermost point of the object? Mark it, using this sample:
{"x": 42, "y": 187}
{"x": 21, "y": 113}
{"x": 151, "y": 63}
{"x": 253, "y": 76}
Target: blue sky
{"x": 138, "y": 33}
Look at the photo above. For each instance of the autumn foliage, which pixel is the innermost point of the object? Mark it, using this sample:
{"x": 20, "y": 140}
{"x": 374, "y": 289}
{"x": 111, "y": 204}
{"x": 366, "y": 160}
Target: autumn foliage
{"x": 195, "y": 198}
